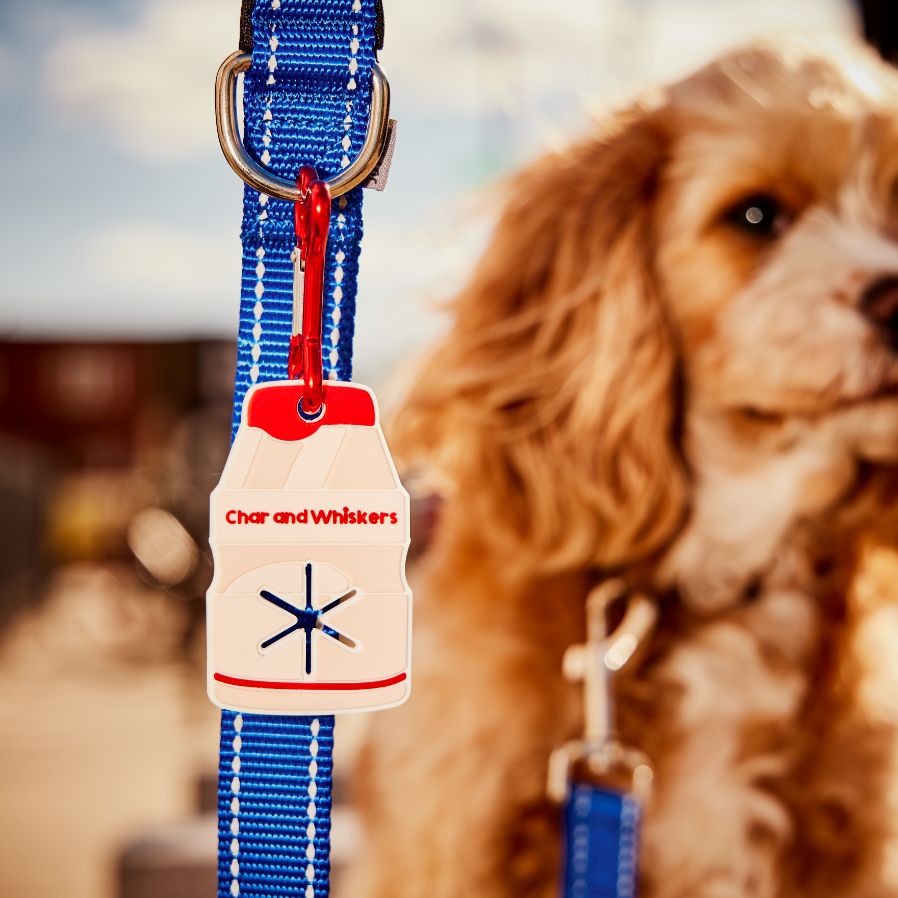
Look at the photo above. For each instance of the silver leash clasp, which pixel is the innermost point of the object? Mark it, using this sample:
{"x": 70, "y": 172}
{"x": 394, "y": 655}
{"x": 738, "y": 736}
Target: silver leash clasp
{"x": 598, "y": 756}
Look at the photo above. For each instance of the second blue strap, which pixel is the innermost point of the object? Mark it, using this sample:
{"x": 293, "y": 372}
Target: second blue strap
{"x": 600, "y": 843}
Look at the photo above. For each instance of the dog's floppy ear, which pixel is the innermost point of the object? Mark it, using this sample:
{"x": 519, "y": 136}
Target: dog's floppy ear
{"x": 550, "y": 403}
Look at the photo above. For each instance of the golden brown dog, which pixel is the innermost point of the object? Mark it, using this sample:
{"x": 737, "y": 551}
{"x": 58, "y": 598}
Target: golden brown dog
{"x": 677, "y": 362}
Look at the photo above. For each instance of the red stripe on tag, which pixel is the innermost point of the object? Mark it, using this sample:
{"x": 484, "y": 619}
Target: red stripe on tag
{"x": 286, "y": 684}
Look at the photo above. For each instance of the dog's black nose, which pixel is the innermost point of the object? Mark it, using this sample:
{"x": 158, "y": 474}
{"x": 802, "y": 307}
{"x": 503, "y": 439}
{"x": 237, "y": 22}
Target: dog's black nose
{"x": 879, "y": 303}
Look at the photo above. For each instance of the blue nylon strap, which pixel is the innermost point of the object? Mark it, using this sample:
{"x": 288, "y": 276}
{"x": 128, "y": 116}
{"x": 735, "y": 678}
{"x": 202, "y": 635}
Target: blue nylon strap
{"x": 600, "y": 843}
{"x": 274, "y": 805}
{"x": 306, "y": 101}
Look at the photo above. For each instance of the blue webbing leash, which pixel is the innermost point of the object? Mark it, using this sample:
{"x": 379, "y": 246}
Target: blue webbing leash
{"x": 601, "y": 841}
{"x": 274, "y": 805}
{"x": 306, "y": 100}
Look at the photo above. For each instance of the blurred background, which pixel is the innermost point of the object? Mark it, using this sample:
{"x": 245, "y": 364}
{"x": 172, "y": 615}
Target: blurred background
{"x": 120, "y": 256}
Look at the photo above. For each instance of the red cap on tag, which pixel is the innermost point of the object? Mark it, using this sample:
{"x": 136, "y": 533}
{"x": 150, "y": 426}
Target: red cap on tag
{"x": 275, "y": 409}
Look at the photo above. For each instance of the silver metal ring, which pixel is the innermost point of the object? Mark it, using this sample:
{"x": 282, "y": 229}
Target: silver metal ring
{"x": 256, "y": 175}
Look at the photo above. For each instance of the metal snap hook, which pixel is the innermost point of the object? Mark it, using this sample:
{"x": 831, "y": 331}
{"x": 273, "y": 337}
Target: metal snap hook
{"x": 593, "y": 663}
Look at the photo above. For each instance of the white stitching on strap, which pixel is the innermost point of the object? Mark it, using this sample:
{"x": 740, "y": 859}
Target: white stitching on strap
{"x": 351, "y": 86}
{"x": 337, "y": 294}
{"x": 235, "y": 807}
{"x": 626, "y": 857}
{"x": 313, "y": 810}
{"x": 259, "y": 308}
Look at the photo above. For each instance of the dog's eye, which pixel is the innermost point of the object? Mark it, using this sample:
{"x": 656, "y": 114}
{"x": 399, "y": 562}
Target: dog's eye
{"x": 759, "y": 215}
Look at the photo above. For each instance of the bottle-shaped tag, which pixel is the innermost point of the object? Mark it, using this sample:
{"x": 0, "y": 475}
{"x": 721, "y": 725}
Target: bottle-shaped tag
{"x": 309, "y": 610}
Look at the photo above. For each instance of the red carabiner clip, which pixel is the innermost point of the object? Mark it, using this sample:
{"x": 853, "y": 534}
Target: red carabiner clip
{"x": 312, "y": 215}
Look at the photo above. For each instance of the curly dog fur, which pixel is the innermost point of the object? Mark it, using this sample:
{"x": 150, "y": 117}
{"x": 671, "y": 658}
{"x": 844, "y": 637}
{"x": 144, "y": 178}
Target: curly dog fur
{"x": 668, "y": 366}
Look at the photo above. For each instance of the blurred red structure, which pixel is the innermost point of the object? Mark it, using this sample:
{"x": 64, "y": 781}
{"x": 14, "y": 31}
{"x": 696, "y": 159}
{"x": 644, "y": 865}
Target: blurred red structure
{"x": 92, "y": 433}
{"x": 97, "y": 404}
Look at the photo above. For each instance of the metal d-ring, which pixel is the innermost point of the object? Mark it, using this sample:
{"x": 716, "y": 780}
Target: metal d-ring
{"x": 263, "y": 180}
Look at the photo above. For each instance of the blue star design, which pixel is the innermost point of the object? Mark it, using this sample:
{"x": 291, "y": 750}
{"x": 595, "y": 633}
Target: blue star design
{"x": 308, "y": 618}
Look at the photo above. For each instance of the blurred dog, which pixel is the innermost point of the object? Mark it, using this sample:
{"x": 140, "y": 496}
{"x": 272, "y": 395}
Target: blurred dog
{"x": 675, "y": 363}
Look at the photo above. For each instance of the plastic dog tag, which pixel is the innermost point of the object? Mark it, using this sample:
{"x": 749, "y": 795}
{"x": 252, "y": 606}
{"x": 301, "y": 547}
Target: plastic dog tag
{"x": 309, "y": 610}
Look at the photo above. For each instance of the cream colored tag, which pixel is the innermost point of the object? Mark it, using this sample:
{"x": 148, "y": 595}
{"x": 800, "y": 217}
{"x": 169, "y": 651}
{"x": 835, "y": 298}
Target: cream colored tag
{"x": 309, "y": 610}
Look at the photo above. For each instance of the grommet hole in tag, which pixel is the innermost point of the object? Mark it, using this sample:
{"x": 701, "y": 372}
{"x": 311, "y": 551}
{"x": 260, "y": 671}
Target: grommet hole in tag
{"x": 311, "y": 417}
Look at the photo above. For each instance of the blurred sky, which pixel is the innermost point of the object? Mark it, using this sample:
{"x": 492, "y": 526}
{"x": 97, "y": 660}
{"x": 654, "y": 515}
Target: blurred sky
{"x": 121, "y": 218}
